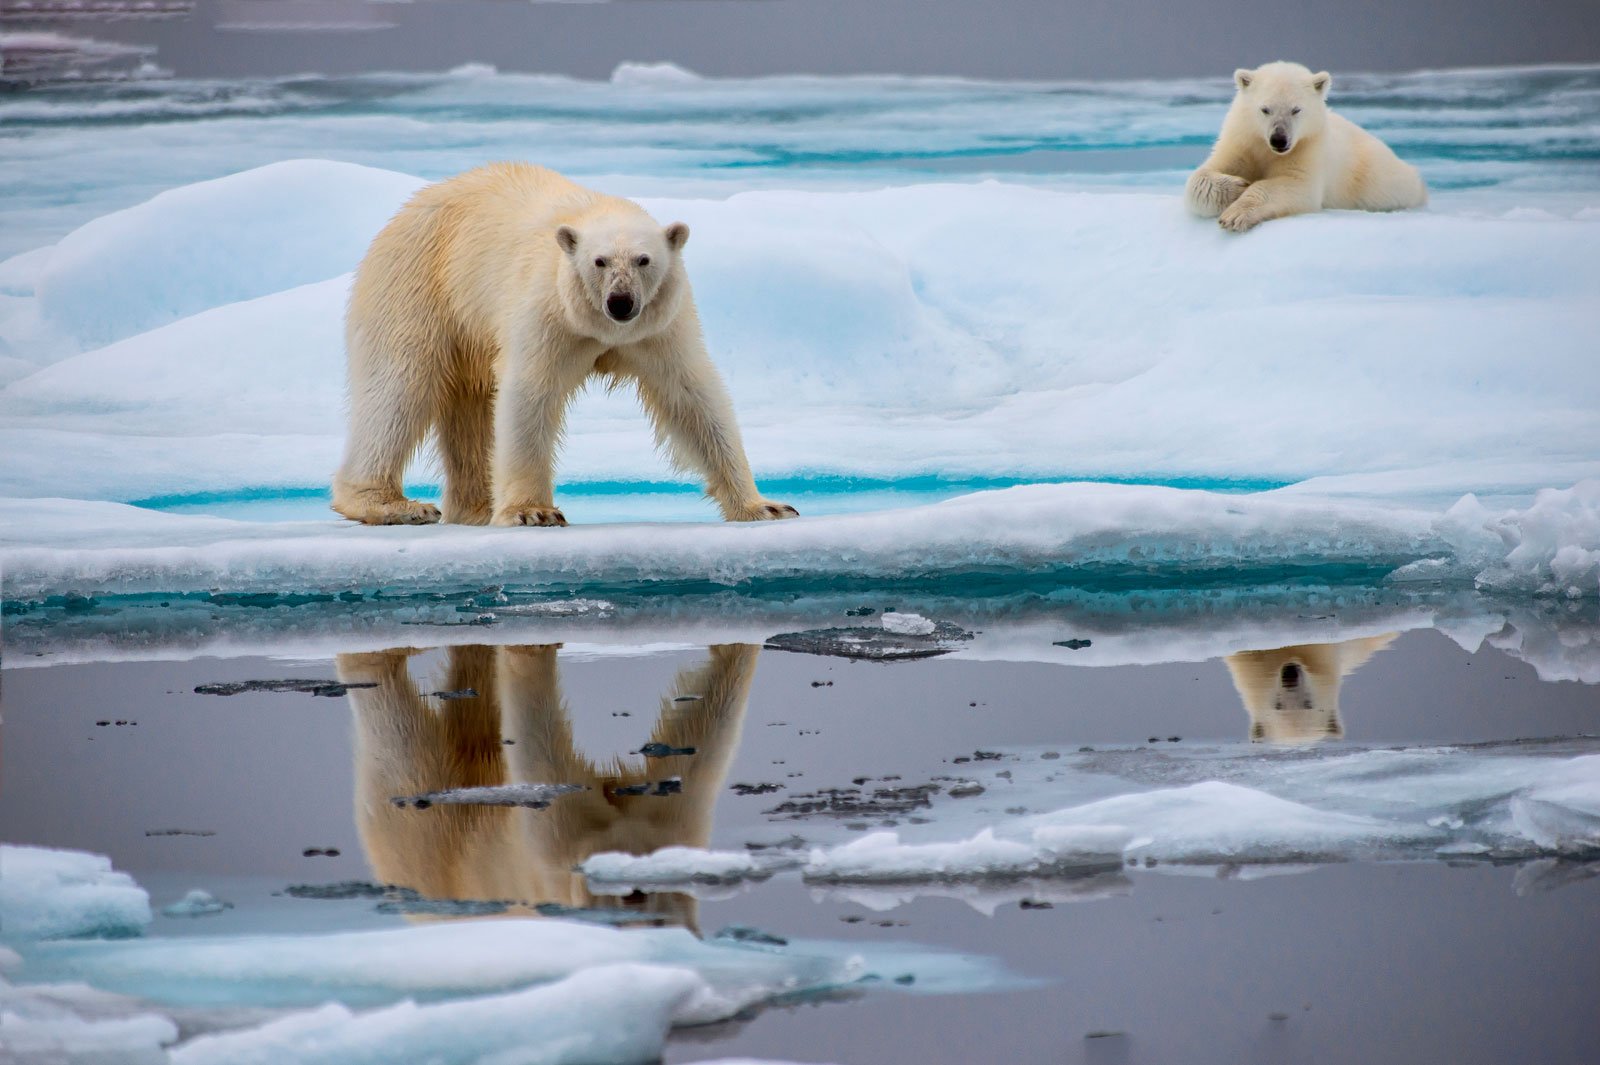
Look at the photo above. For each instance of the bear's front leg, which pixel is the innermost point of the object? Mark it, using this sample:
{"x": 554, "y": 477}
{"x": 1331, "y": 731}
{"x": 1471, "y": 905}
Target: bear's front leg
{"x": 1210, "y": 192}
{"x": 530, "y": 408}
{"x": 1268, "y": 199}
{"x": 693, "y": 416}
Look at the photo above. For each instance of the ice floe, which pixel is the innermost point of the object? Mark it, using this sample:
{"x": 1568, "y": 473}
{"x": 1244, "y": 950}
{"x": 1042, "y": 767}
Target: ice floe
{"x": 50, "y": 894}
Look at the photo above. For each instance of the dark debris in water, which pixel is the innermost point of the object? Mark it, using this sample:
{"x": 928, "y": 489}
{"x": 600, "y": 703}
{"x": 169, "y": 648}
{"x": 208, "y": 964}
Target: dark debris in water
{"x": 618, "y": 918}
{"x": 179, "y": 832}
{"x": 339, "y": 890}
{"x": 663, "y": 750}
{"x": 853, "y": 803}
{"x": 1072, "y": 644}
{"x": 458, "y": 693}
{"x": 670, "y": 786}
{"x": 788, "y": 843}
{"x": 331, "y": 689}
{"x": 874, "y": 644}
{"x": 526, "y": 796}
{"x": 395, "y": 899}
{"x": 741, "y": 933}
{"x": 412, "y": 904}
{"x": 762, "y": 788}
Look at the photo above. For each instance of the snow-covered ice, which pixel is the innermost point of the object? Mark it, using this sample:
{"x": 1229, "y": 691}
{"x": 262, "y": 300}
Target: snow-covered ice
{"x": 182, "y": 348}
{"x": 47, "y": 893}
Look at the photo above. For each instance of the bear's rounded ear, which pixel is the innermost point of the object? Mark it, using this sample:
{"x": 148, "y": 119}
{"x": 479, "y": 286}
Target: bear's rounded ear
{"x": 1241, "y": 77}
{"x": 677, "y": 236}
{"x": 1320, "y": 82}
{"x": 567, "y": 237}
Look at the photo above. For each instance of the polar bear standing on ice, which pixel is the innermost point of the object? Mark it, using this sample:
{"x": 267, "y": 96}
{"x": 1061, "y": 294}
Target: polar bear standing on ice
{"x": 478, "y": 312}
{"x": 1283, "y": 152}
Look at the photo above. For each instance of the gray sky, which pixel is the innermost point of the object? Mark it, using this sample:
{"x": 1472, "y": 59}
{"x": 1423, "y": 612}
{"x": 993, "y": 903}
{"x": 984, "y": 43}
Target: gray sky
{"x": 1041, "y": 39}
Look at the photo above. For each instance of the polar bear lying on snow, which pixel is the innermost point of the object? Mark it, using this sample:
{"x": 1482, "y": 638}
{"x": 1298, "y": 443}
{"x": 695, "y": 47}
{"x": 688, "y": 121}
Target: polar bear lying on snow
{"x": 479, "y": 311}
{"x": 1283, "y": 152}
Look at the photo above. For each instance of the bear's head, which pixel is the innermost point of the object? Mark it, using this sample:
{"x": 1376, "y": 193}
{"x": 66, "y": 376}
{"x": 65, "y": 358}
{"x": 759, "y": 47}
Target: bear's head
{"x": 626, "y": 268}
{"x": 1282, "y": 102}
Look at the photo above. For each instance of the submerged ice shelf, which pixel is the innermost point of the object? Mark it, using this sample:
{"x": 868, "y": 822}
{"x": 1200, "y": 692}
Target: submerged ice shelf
{"x": 456, "y": 991}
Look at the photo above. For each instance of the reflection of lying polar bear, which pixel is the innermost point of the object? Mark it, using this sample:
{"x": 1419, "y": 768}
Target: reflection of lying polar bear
{"x": 1292, "y": 693}
{"x": 1283, "y": 152}
{"x": 410, "y": 744}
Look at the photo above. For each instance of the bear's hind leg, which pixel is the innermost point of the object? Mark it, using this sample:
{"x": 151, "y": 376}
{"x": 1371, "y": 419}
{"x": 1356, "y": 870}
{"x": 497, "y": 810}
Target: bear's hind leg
{"x": 390, "y": 412}
{"x": 466, "y": 444}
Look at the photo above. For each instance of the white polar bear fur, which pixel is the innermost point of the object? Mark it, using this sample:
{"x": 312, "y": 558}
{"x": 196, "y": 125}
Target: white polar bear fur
{"x": 1325, "y": 161}
{"x": 478, "y": 312}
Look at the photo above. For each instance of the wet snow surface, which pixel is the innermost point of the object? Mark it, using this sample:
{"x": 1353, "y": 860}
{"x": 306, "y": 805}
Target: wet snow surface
{"x": 1128, "y": 693}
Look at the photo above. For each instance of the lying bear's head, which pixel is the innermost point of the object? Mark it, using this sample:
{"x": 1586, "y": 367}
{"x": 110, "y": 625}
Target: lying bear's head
{"x": 1284, "y": 102}
{"x": 623, "y": 265}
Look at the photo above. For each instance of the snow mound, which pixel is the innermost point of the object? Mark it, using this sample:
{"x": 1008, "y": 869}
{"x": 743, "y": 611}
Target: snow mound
{"x": 653, "y": 75}
{"x": 51, "y": 894}
{"x": 216, "y": 242}
{"x": 1552, "y": 547}
{"x": 608, "y": 1015}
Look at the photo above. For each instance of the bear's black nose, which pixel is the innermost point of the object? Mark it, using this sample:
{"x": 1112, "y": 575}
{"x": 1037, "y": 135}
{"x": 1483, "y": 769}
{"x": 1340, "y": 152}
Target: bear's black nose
{"x": 1279, "y": 142}
{"x": 1290, "y": 676}
{"x": 620, "y": 306}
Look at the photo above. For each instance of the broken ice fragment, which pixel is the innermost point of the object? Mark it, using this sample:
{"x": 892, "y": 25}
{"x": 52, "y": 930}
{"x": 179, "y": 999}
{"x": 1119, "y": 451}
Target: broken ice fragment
{"x": 907, "y": 624}
{"x": 875, "y": 644}
{"x": 530, "y": 796}
{"x": 196, "y": 903}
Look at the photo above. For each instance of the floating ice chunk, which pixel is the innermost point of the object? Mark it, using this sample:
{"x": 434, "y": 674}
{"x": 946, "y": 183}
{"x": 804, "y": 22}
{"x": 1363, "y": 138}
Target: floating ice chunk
{"x": 881, "y": 857}
{"x": 528, "y": 796}
{"x": 610, "y": 1014}
{"x": 196, "y": 903}
{"x": 50, "y": 894}
{"x": 986, "y": 895}
{"x": 361, "y": 969}
{"x": 48, "y": 1023}
{"x": 907, "y": 624}
{"x": 216, "y": 242}
{"x": 678, "y": 865}
{"x": 1563, "y": 813}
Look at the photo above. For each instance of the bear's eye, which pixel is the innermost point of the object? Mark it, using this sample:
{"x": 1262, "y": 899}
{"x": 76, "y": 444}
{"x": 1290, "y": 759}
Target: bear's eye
{"x": 643, "y": 260}
{"x": 1266, "y": 110}
{"x": 601, "y": 263}
{"x": 1294, "y": 110}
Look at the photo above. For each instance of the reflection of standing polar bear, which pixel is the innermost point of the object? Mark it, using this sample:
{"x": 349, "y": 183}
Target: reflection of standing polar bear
{"x": 1283, "y": 152}
{"x": 482, "y": 307}
{"x": 1292, "y": 693}
{"x": 508, "y": 723}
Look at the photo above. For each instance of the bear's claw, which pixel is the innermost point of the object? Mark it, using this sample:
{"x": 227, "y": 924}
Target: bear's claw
{"x": 764, "y": 510}
{"x": 1235, "y": 221}
{"x": 526, "y": 515}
